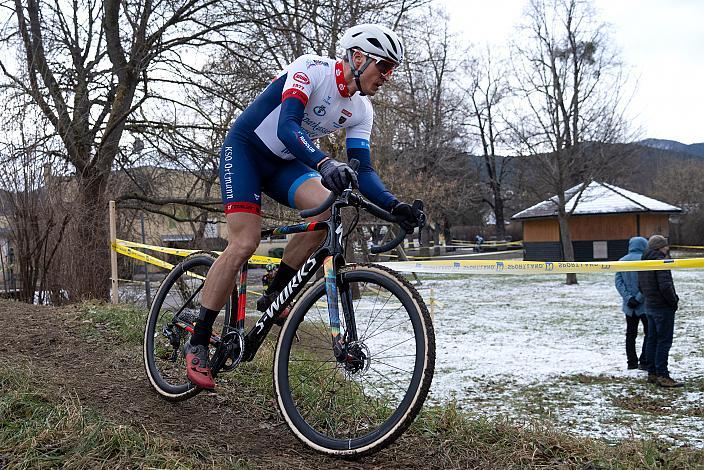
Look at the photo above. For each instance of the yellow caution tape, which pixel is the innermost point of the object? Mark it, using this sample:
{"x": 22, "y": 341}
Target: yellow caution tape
{"x": 132, "y": 253}
{"x": 160, "y": 249}
{"x": 540, "y": 267}
{"x": 458, "y": 266}
{"x": 445, "y": 256}
{"x": 685, "y": 247}
{"x": 469, "y": 244}
{"x": 256, "y": 259}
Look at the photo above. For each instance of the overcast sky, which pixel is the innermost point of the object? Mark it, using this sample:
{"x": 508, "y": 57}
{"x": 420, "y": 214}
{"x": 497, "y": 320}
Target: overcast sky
{"x": 661, "y": 41}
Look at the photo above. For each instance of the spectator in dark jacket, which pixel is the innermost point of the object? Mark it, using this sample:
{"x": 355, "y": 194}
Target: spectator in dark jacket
{"x": 633, "y": 305}
{"x": 661, "y": 303}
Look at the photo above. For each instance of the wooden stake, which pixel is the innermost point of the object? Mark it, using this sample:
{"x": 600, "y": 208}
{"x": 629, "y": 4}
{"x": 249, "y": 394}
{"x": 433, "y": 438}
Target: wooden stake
{"x": 432, "y": 305}
{"x": 113, "y": 253}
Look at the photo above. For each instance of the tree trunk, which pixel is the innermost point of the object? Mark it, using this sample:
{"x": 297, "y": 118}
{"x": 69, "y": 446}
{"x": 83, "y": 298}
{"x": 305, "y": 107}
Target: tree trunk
{"x": 566, "y": 241}
{"x": 499, "y": 213}
{"x": 91, "y": 270}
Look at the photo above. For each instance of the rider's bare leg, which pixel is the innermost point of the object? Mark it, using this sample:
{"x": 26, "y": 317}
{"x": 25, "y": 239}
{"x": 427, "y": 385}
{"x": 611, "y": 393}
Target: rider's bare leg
{"x": 243, "y": 234}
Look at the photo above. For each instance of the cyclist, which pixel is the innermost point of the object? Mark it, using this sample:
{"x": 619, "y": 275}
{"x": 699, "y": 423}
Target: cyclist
{"x": 270, "y": 147}
{"x": 269, "y": 274}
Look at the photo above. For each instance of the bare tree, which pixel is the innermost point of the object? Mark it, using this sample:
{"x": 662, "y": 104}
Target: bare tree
{"x": 688, "y": 194}
{"x": 187, "y": 129}
{"x": 418, "y": 137}
{"x": 36, "y": 221}
{"x": 88, "y": 65}
{"x": 487, "y": 92}
{"x": 569, "y": 83}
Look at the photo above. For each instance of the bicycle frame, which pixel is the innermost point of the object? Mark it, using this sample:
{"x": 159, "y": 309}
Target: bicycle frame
{"x": 329, "y": 255}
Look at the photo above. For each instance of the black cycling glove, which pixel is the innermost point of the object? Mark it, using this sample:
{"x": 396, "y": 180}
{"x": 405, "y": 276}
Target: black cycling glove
{"x": 409, "y": 216}
{"x": 337, "y": 176}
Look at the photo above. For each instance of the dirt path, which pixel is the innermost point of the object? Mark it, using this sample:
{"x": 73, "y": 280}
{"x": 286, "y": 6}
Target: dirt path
{"x": 111, "y": 380}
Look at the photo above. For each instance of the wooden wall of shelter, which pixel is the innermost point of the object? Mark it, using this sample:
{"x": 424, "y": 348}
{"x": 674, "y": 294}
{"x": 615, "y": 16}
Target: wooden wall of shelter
{"x": 602, "y": 237}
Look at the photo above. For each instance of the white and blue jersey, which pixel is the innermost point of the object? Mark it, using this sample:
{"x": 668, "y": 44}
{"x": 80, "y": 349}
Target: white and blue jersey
{"x": 270, "y": 146}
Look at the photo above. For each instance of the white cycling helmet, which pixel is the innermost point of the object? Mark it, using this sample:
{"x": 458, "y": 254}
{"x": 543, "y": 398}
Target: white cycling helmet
{"x": 374, "y": 39}
{"x": 378, "y": 42}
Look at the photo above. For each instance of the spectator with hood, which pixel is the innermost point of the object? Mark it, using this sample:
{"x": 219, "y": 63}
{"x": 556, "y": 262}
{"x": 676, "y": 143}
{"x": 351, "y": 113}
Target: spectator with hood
{"x": 633, "y": 305}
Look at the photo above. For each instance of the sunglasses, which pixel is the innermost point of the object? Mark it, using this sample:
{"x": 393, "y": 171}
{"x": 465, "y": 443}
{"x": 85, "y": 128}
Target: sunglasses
{"x": 384, "y": 66}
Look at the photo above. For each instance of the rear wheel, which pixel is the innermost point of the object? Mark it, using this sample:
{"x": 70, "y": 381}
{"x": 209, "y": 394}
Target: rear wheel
{"x": 170, "y": 323}
{"x": 361, "y": 404}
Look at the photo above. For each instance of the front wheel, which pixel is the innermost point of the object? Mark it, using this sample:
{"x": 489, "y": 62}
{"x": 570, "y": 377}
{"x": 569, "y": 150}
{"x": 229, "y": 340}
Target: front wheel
{"x": 355, "y": 407}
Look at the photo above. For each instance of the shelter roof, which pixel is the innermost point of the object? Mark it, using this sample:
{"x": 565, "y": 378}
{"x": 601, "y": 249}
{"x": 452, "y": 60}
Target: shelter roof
{"x": 597, "y": 198}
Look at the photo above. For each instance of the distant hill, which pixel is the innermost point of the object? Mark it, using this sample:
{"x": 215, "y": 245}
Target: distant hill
{"x": 674, "y": 146}
{"x": 639, "y": 166}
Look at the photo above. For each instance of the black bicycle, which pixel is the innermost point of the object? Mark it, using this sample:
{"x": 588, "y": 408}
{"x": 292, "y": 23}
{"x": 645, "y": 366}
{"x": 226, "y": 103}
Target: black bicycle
{"x": 354, "y": 359}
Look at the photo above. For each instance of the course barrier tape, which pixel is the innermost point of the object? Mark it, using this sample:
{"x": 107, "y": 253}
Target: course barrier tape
{"x": 502, "y": 267}
{"x": 446, "y": 256}
{"x": 685, "y": 247}
{"x": 470, "y": 244}
{"x": 136, "y": 254}
{"x": 539, "y": 267}
{"x": 132, "y": 253}
{"x": 256, "y": 259}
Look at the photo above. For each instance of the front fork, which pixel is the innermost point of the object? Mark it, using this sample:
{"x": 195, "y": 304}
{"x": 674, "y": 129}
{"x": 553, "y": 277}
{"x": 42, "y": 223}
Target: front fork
{"x": 332, "y": 281}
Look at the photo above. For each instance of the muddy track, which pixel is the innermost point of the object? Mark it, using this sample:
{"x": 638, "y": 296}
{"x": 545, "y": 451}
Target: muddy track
{"x": 110, "y": 379}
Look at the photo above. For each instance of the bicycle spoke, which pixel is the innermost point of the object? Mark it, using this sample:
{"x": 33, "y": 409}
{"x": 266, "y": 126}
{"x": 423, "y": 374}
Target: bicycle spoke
{"x": 377, "y": 361}
{"x": 358, "y": 398}
{"x": 395, "y": 345}
{"x": 392, "y": 314}
{"x": 387, "y": 379}
{"x": 370, "y": 317}
{"x": 365, "y": 338}
{"x": 376, "y": 357}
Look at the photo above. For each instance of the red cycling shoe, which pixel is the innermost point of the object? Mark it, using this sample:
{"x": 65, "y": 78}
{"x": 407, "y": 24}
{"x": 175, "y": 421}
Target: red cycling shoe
{"x": 197, "y": 367}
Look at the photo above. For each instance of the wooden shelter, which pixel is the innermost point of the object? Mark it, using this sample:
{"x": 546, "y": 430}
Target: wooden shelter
{"x": 604, "y": 217}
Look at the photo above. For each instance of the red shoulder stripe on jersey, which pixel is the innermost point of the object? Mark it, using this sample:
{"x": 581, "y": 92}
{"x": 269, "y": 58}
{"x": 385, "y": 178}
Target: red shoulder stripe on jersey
{"x": 340, "y": 80}
{"x": 248, "y": 207}
{"x": 293, "y": 93}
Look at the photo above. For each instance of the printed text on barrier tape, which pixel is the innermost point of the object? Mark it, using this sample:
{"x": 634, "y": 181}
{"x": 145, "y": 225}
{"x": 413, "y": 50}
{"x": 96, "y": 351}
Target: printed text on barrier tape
{"x": 537, "y": 267}
{"x": 256, "y": 259}
{"x": 445, "y": 257}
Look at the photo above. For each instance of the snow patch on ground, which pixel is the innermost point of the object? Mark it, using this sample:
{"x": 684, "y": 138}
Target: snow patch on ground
{"x": 530, "y": 347}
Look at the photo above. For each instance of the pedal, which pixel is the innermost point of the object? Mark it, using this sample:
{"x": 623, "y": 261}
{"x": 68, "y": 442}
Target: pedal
{"x": 229, "y": 353}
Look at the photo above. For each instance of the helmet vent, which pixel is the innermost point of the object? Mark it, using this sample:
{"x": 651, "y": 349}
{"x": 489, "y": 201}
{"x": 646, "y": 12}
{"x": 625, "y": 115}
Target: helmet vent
{"x": 375, "y": 42}
{"x": 393, "y": 44}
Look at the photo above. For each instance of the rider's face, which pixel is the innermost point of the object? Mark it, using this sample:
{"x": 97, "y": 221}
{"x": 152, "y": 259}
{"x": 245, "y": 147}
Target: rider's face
{"x": 376, "y": 74}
